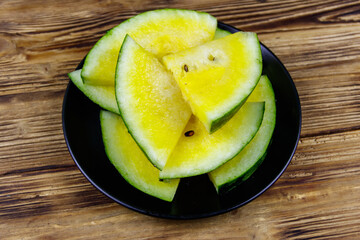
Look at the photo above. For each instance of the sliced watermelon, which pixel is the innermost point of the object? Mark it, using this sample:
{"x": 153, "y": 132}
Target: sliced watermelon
{"x": 104, "y": 96}
{"x": 199, "y": 152}
{"x": 220, "y": 33}
{"x": 150, "y": 102}
{"x": 160, "y": 32}
{"x": 246, "y": 162}
{"x": 130, "y": 161}
{"x": 217, "y": 77}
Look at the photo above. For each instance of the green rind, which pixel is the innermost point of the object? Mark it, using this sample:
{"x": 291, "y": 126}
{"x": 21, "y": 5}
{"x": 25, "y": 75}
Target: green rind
{"x": 226, "y": 187}
{"x": 120, "y": 31}
{"x": 247, "y": 161}
{"x": 130, "y": 161}
{"x": 215, "y": 125}
{"x": 104, "y": 96}
{"x": 220, "y": 33}
{"x": 218, "y": 156}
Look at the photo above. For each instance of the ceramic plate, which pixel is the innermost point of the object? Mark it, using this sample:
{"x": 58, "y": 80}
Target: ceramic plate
{"x": 196, "y": 197}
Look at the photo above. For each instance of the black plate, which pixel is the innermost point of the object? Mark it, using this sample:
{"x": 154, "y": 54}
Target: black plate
{"x": 195, "y": 197}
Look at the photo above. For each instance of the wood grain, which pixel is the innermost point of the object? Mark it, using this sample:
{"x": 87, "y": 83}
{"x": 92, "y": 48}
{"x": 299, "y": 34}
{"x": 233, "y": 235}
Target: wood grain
{"x": 44, "y": 196}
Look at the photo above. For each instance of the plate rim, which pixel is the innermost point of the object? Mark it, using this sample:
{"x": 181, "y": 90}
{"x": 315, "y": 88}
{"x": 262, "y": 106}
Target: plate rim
{"x": 231, "y": 29}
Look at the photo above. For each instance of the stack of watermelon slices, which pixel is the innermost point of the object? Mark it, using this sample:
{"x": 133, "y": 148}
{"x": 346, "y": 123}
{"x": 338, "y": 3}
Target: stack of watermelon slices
{"x": 180, "y": 98}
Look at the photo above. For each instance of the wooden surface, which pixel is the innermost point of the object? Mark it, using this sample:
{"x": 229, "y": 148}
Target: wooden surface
{"x": 44, "y": 196}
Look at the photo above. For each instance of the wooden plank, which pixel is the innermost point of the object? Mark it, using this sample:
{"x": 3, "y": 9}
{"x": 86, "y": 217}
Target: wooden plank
{"x": 316, "y": 197}
{"x": 27, "y": 68}
{"x": 31, "y": 131}
{"x": 44, "y": 196}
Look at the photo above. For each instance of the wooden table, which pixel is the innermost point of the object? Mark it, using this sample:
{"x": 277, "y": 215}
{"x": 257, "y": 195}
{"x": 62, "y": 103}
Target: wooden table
{"x": 43, "y": 195}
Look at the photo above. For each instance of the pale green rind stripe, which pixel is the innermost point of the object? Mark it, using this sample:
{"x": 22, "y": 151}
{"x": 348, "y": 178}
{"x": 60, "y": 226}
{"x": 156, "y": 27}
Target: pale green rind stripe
{"x": 220, "y": 33}
{"x": 252, "y": 154}
{"x": 130, "y": 161}
{"x": 104, "y": 96}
